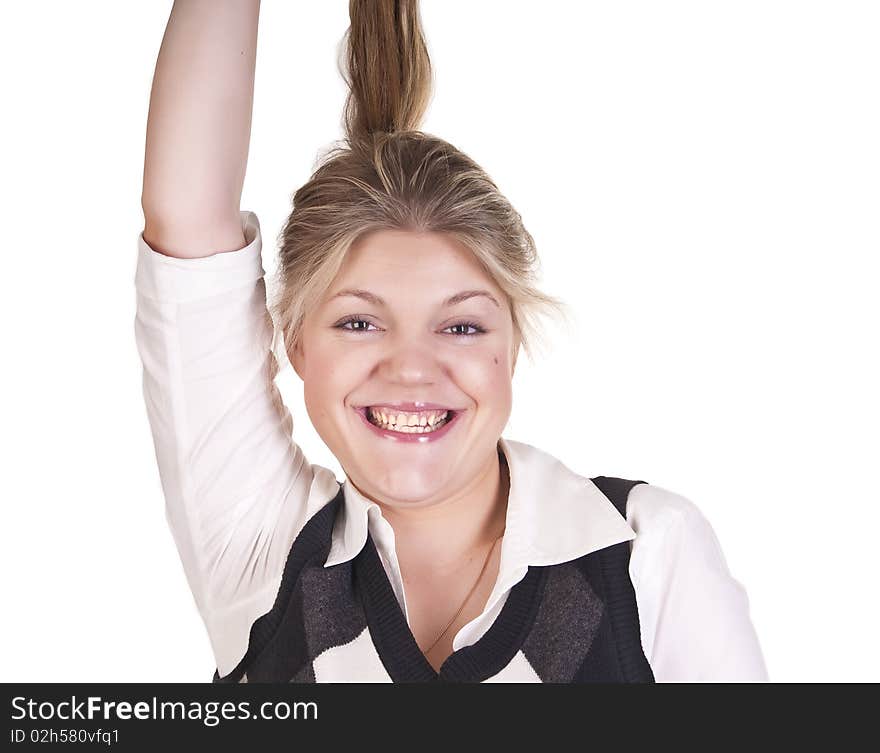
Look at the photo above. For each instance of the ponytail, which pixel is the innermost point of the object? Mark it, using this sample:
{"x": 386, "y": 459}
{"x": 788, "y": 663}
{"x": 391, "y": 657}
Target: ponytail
{"x": 387, "y": 69}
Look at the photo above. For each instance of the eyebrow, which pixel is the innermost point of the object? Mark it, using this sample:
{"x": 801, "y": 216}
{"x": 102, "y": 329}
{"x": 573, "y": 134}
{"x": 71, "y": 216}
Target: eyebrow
{"x": 464, "y": 295}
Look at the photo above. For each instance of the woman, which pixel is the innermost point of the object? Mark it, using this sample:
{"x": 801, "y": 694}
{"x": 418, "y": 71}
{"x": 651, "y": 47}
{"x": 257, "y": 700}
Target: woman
{"x": 405, "y": 290}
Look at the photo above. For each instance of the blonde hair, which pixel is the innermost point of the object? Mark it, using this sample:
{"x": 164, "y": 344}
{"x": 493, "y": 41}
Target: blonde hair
{"x": 386, "y": 174}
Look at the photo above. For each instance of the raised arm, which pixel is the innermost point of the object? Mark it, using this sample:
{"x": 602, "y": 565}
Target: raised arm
{"x": 198, "y": 127}
{"x": 237, "y": 487}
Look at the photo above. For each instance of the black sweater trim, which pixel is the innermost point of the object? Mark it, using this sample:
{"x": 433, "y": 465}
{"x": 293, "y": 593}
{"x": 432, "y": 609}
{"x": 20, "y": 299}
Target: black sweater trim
{"x": 398, "y": 649}
{"x": 313, "y": 541}
{"x": 620, "y": 596}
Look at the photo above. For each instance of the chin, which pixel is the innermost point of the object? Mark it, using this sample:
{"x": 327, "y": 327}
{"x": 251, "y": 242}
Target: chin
{"x": 405, "y": 485}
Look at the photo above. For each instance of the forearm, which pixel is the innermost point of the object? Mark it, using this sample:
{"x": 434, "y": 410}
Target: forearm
{"x": 199, "y": 122}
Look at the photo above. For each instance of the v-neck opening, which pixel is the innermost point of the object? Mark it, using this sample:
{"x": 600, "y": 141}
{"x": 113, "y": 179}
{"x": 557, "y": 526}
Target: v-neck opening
{"x": 398, "y": 649}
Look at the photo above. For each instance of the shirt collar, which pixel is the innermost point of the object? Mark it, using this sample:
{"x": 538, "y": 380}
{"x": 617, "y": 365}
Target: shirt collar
{"x": 553, "y": 515}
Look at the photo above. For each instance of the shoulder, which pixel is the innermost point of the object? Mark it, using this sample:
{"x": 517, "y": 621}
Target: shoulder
{"x": 674, "y": 537}
{"x": 655, "y": 510}
{"x": 694, "y": 614}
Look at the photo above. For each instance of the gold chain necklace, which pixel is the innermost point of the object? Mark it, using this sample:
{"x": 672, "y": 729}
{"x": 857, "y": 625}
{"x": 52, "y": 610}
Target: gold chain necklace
{"x": 466, "y": 598}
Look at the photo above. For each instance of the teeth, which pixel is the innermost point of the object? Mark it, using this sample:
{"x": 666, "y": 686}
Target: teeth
{"x": 421, "y": 422}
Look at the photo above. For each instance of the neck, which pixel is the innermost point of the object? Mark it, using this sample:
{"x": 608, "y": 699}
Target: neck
{"x": 443, "y": 538}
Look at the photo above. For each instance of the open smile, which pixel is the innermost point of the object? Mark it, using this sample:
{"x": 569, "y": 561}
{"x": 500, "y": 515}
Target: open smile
{"x": 421, "y": 427}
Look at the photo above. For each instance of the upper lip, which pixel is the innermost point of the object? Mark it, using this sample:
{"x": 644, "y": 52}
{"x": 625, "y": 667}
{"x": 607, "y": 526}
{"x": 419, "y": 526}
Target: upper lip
{"x": 407, "y": 406}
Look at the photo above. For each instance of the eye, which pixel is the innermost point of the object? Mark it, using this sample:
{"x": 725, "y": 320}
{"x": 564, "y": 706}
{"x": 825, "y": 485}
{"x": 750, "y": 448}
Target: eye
{"x": 353, "y": 320}
{"x": 472, "y": 325}
{"x": 359, "y": 320}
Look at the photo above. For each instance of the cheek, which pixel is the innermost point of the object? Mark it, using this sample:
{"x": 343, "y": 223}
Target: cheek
{"x": 320, "y": 382}
{"x": 332, "y": 379}
{"x": 488, "y": 377}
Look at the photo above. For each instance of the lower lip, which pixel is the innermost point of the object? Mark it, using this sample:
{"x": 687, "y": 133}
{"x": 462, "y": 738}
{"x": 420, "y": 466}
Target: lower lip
{"x": 399, "y": 436}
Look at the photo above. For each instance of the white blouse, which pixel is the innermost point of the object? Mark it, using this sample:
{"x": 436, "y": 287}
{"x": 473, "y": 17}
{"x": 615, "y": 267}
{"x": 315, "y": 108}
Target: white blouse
{"x": 238, "y": 489}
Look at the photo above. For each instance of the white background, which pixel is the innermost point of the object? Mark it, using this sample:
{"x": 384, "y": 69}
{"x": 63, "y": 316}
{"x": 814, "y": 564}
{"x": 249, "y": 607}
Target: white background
{"x": 701, "y": 179}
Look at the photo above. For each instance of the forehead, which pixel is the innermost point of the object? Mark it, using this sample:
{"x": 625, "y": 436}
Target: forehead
{"x": 421, "y": 259}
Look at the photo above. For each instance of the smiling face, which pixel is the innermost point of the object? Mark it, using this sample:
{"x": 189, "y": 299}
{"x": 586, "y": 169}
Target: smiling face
{"x": 401, "y": 340}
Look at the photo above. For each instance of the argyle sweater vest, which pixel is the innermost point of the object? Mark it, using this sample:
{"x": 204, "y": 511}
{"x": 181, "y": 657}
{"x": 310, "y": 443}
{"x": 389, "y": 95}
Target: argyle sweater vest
{"x": 576, "y": 621}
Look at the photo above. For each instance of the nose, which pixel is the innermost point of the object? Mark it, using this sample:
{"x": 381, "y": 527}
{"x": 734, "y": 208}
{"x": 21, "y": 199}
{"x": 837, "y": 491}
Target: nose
{"x": 410, "y": 358}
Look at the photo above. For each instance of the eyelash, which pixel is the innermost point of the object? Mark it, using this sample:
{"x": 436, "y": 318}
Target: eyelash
{"x": 480, "y": 330}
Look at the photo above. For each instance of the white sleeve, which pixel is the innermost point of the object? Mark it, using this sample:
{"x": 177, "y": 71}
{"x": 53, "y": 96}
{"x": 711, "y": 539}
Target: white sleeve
{"x": 237, "y": 487}
{"x": 693, "y": 614}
